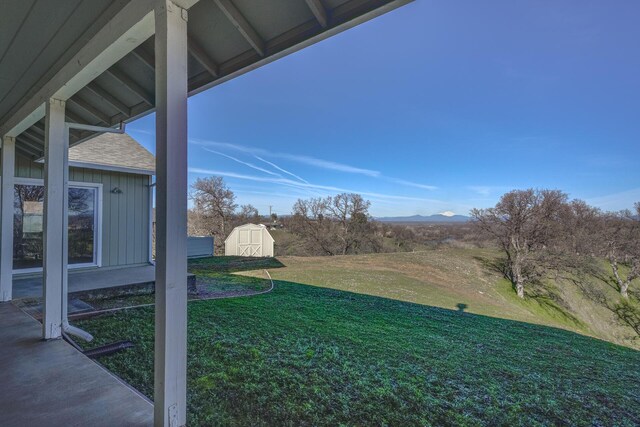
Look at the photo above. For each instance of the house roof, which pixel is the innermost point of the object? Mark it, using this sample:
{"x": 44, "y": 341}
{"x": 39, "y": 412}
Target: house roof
{"x": 113, "y": 151}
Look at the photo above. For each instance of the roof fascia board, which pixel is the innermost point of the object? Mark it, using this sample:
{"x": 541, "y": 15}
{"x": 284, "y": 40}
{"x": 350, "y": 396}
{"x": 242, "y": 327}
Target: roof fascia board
{"x": 102, "y": 167}
{"x": 111, "y": 168}
{"x": 127, "y": 30}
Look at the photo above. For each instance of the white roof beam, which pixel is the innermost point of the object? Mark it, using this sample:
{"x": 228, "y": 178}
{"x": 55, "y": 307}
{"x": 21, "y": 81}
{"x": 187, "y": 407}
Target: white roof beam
{"x": 74, "y": 117}
{"x": 35, "y": 138}
{"x": 93, "y": 111}
{"x": 108, "y": 98}
{"x": 319, "y": 12}
{"x": 145, "y": 57}
{"x": 201, "y": 56}
{"x": 26, "y": 145}
{"x": 92, "y": 128}
{"x": 23, "y": 124}
{"x": 238, "y": 20}
{"x": 38, "y": 127}
{"x": 134, "y": 87}
{"x": 26, "y": 150}
{"x": 126, "y": 31}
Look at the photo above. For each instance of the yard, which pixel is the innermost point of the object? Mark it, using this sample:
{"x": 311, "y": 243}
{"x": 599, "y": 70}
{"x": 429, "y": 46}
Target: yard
{"x": 306, "y": 355}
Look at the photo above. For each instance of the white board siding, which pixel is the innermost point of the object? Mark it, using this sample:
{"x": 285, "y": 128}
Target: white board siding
{"x": 125, "y": 216}
{"x": 249, "y": 240}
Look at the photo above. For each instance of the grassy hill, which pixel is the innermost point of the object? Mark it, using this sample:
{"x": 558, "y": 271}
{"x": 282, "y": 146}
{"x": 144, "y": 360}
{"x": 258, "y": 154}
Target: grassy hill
{"x": 450, "y": 277}
{"x": 329, "y": 355}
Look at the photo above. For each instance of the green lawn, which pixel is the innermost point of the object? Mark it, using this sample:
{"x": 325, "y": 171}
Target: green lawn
{"x": 451, "y": 276}
{"x": 215, "y": 278}
{"x": 305, "y": 355}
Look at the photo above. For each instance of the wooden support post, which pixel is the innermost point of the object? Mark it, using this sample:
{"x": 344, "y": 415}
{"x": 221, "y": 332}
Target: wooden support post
{"x": 171, "y": 194}
{"x": 56, "y": 166}
{"x": 6, "y": 218}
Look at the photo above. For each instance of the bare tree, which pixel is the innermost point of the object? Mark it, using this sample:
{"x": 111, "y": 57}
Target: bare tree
{"x": 214, "y": 206}
{"x": 310, "y": 222}
{"x": 524, "y": 223}
{"x": 335, "y": 225}
{"x": 403, "y": 237}
{"x": 351, "y": 212}
{"x": 248, "y": 213}
{"x": 580, "y": 225}
{"x": 619, "y": 243}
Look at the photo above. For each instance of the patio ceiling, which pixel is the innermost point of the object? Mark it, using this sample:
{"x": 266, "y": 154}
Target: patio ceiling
{"x": 226, "y": 38}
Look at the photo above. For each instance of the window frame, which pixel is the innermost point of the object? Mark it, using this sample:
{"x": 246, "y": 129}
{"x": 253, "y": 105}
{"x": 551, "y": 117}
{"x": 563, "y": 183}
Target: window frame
{"x": 97, "y": 223}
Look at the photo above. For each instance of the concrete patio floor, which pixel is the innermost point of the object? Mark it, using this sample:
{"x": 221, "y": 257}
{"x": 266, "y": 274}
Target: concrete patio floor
{"x": 86, "y": 280}
{"x": 50, "y": 383}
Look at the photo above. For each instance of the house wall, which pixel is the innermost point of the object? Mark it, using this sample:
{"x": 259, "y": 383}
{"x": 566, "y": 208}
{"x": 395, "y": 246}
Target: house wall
{"x": 125, "y": 216}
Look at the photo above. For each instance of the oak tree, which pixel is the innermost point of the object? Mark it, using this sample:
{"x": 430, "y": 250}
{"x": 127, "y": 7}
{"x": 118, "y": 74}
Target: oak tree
{"x": 524, "y": 224}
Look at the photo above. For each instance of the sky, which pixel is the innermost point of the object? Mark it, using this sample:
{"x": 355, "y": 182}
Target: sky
{"x": 436, "y": 106}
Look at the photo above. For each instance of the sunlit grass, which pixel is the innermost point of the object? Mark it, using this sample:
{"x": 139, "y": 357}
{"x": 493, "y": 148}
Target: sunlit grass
{"x": 304, "y": 355}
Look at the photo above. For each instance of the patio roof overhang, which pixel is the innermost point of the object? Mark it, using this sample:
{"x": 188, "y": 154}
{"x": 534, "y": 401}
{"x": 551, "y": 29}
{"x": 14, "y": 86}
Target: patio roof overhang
{"x": 70, "y": 67}
{"x": 54, "y": 49}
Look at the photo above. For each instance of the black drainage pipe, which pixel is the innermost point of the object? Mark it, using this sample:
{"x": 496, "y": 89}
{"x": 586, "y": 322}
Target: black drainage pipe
{"x": 108, "y": 349}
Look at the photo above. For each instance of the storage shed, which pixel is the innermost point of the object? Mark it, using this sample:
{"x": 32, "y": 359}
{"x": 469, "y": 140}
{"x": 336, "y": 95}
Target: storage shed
{"x": 249, "y": 240}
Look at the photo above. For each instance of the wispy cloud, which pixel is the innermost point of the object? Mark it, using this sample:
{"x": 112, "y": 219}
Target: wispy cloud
{"x": 251, "y": 165}
{"x": 260, "y": 154}
{"x": 329, "y": 165}
{"x": 491, "y": 190}
{"x": 413, "y": 184}
{"x": 291, "y": 183}
{"x": 307, "y": 160}
{"x": 273, "y": 165}
{"x": 616, "y": 201}
{"x": 480, "y": 189}
{"x": 140, "y": 131}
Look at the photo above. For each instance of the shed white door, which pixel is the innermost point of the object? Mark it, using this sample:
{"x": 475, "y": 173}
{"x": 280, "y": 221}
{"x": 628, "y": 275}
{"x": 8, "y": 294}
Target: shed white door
{"x": 250, "y": 242}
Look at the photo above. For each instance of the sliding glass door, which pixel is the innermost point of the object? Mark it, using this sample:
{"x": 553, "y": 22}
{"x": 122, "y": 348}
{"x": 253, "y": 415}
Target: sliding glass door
{"x": 28, "y": 225}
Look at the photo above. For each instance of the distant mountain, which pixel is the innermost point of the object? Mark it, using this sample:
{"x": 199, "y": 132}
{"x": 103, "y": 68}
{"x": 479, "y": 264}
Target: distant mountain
{"x": 443, "y": 217}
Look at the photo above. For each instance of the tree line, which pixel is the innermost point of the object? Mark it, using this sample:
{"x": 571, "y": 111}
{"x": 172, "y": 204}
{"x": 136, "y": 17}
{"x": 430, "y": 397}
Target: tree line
{"x": 541, "y": 232}
{"x": 338, "y": 225}
{"x": 215, "y": 211}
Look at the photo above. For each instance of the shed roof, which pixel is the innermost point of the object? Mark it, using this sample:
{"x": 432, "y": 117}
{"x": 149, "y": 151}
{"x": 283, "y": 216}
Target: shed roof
{"x": 260, "y": 227}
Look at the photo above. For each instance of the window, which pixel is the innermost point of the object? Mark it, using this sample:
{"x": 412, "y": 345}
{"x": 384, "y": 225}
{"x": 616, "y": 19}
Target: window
{"x": 28, "y": 225}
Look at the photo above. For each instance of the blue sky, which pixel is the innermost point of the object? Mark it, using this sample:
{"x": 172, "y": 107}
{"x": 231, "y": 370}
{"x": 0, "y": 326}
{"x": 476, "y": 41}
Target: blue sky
{"x": 439, "y": 105}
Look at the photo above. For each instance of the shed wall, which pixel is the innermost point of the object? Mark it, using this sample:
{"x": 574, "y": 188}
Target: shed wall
{"x": 258, "y": 237}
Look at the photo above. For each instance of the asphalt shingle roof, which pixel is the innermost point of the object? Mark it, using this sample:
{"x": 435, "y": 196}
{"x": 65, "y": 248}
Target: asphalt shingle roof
{"x": 113, "y": 150}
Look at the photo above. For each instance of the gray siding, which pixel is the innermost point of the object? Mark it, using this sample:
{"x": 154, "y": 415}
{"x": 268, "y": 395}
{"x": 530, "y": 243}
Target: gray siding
{"x": 199, "y": 246}
{"x": 125, "y": 216}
